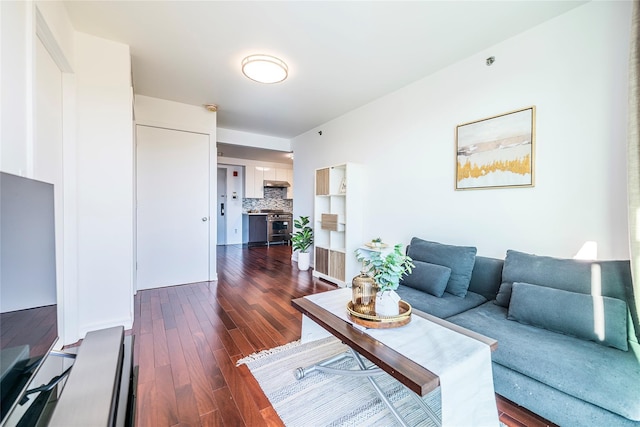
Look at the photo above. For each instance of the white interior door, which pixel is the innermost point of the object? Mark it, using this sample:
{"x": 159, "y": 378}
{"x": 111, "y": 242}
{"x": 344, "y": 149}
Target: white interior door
{"x": 173, "y": 207}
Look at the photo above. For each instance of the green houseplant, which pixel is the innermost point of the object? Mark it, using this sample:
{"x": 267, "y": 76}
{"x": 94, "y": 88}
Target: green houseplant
{"x": 386, "y": 270}
{"x": 301, "y": 240}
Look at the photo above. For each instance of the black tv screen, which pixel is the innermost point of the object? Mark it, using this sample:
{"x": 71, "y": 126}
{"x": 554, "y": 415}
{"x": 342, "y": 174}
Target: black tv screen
{"x": 28, "y": 302}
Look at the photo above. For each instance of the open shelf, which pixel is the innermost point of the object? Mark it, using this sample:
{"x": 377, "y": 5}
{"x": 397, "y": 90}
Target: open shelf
{"x": 337, "y": 222}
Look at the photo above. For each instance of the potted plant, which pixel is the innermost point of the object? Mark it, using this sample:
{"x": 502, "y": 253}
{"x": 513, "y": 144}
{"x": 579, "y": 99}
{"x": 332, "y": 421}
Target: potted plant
{"x": 302, "y": 239}
{"x": 386, "y": 270}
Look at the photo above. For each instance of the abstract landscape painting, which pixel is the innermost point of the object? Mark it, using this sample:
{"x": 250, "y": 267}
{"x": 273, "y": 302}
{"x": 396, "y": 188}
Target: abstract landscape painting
{"x": 497, "y": 151}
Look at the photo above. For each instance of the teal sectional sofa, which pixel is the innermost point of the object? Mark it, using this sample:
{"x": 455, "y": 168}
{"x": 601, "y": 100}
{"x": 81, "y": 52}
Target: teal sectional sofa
{"x": 571, "y": 357}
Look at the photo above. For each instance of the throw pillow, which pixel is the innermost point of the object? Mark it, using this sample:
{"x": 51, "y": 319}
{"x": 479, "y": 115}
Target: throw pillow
{"x": 566, "y": 274}
{"x": 460, "y": 259}
{"x": 427, "y": 277}
{"x": 593, "y": 318}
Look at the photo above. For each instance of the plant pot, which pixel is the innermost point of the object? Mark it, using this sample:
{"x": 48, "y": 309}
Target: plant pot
{"x": 303, "y": 261}
{"x": 387, "y": 303}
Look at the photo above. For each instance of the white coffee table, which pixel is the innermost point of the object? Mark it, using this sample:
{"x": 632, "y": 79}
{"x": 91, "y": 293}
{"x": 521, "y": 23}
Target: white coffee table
{"x": 423, "y": 355}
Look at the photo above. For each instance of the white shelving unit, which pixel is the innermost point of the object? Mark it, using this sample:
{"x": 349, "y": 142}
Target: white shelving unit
{"x": 338, "y": 222}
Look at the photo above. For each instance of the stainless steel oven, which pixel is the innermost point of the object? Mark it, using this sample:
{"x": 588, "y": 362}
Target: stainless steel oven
{"x": 279, "y": 227}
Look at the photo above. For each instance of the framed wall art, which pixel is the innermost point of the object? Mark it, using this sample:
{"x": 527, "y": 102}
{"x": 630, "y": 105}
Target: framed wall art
{"x": 496, "y": 152}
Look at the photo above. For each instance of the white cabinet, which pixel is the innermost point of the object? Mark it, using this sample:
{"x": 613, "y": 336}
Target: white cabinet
{"x": 253, "y": 186}
{"x": 255, "y": 175}
{"x": 286, "y": 175}
{"x": 269, "y": 173}
{"x": 249, "y": 174}
{"x": 290, "y": 181}
{"x": 338, "y": 222}
{"x": 281, "y": 174}
{"x": 258, "y": 182}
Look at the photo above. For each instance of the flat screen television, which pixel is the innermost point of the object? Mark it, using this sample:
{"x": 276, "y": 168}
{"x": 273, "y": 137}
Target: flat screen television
{"x": 28, "y": 302}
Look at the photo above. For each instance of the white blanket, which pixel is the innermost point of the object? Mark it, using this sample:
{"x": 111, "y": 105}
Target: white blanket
{"x": 463, "y": 364}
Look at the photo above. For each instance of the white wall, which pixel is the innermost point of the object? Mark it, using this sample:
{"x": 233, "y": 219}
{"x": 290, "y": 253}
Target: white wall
{"x": 104, "y": 183}
{"x": 57, "y": 26}
{"x": 57, "y": 35}
{"x": 233, "y": 207}
{"x": 174, "y": 115}
{"x": 16, "y": 71}
{"x": 236, "y": 137}
{"x": 96, "y": 232}
{"x": 48, "y": 153}
{"x": 573, "y": 69}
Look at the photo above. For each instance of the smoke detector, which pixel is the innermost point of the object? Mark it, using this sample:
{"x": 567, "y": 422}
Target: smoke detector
{"x": 211, "y": 107}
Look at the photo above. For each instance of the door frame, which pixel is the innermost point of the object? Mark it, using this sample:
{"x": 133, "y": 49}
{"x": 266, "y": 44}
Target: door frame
{"x": 221, "y": 223}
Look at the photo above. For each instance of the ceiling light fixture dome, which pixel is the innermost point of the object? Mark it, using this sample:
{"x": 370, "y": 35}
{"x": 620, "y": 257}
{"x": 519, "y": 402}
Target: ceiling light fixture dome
{"x": 264, "y": 68}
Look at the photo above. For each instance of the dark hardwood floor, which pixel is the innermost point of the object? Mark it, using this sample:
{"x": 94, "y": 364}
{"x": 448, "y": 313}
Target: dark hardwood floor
{"x": 188, "y": 339}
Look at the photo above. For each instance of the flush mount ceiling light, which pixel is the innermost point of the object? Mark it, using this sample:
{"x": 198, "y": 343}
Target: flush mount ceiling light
{"x": 264, "y": 68}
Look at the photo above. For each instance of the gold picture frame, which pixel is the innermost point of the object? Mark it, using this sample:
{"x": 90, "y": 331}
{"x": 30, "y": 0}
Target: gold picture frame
{"x": 497, "y": 152}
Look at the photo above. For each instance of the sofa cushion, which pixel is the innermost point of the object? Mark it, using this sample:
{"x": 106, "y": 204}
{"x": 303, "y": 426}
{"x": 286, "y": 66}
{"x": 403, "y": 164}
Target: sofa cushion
{"x": 552, "y": 404}
{"x": 442, "y": 307}
{"x": 460, "y": 259}
{"x": 571, "y": 313}
{"x": 427, "y": 277}
{"x": 566, "y": 274}
{"x": 486, "y": 276}
{"x": 604, "y": 376}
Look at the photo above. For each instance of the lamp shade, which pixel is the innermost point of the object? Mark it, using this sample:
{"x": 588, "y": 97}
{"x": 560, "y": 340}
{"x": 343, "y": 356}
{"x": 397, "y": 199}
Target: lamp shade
{"x": 264, "y": 68}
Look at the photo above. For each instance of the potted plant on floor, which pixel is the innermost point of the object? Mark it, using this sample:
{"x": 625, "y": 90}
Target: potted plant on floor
{"x": 386, "y": 270}
{"x": 302, "y": 240}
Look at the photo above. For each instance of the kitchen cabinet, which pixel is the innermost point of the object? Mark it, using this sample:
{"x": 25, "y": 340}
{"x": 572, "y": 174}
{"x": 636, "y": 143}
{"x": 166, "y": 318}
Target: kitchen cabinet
{"x": 253, "y": 182}
{"x": 290, "y": 181}
{"x": 338, "y": 222}
{"x": 258, "y": 182}
{"x": 269, "y": 173}
{"x": 255, "y": 175}
{"x": 257, "y": 228}
{"x": 249, "y": 185}
{"x": 281, "y": 174}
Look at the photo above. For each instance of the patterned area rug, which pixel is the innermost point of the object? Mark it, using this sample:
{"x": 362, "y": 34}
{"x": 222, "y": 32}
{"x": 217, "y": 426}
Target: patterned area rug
{"x": 321, "y": 399}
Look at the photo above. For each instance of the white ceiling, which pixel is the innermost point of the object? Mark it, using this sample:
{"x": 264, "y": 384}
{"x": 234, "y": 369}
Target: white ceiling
{"x": 341, "y": 54}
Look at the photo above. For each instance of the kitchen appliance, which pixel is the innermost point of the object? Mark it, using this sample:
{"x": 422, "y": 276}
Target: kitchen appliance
{"x": 276, "y": 184}
{"x": 279, "y": 226}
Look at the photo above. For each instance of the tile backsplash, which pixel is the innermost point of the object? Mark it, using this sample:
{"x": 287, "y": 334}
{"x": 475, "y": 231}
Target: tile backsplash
{"x": 274, "y": 198}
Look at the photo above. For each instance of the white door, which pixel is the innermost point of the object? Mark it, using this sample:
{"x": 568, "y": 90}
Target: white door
{"x": 173, "y": 207}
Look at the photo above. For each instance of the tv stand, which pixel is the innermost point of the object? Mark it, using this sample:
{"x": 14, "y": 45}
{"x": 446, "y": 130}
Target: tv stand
{"x": 99, "y": 390}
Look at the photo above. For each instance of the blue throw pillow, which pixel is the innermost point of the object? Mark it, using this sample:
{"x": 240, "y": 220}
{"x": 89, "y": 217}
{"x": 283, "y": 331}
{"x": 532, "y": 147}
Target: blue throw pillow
{"x": 565, "y": 274}
{"x": 593, "y": 318}
{"x": 427, "y": 277}
{"x": 460, "y": 259}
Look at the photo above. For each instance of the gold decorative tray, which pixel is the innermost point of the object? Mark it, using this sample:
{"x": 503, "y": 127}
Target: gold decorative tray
{"x": 381, "y": 322}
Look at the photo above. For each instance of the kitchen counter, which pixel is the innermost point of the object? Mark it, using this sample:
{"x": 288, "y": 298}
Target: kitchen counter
{"x": 268, "y": 227}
